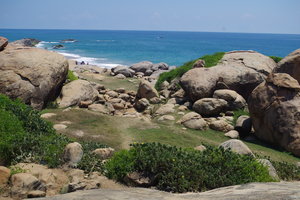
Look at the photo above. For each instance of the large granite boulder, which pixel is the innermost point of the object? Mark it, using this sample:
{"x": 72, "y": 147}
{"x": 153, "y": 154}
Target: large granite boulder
{"x": 210, "y": 106}
{"x": 290, "y": 65}
{"x": 193, "y": 120}
{"x": 275, "y": 112}
{"x": 235, "y": 101}
{"x": 3, "y": 43}
{"x": 75, "y": 92}
{"x": 146, "y": 90}
{"x": 126, "y": 71}
{"x": 240, "y": 71}
{"x": 142, "y": 66}
{"x": 31, "y": 74}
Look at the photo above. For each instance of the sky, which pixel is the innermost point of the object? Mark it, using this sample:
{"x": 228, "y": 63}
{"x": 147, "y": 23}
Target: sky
{"x": 251, "y": 16}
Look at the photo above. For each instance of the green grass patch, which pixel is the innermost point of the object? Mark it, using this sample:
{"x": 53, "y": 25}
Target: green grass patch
{"x": 210, "y": 60}
{"x": 175, "y": 169}
{"x": 71, "y": 76}
{"x": 276, "y": 58}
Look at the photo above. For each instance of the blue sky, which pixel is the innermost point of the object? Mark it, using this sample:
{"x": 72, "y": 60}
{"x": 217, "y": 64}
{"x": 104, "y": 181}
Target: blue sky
{"x": 253, "y": 16}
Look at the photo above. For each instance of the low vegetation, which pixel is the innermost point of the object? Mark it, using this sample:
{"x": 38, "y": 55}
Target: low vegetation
{"x": 210, "y": 60}
{"x": 174, "y": 169}
{"x": 276, "y": 58}
{"x": 71, "y": 76}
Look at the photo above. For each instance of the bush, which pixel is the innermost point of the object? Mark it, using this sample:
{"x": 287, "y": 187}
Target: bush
{"x": 210, "y": 60}
{"x": 276, "y": 58}
{"x": 71, "y": 76}
{"x": 287, "y": 171}
{"x": 25, "y": 136}
{"x": 90, "y": 162}
{"x": 180, "y": 170}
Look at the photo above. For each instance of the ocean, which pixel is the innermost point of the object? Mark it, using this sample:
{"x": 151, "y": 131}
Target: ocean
{"x": 108, "y": 48}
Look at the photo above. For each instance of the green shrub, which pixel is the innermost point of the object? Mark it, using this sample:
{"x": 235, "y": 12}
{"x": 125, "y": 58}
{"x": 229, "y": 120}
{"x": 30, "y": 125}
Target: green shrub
{"x": 276, "y": 58}
{"x": 71, "y": 76}
{"x": 287, "y": 171}
{"x": 90, "y": 162}
{"x": 179, "y": 170}
{"x": 210, "y": 60}
{"x": 26, "y": 137}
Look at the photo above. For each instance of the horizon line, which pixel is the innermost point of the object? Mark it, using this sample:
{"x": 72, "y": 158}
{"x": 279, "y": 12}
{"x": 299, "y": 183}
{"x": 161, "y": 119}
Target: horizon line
{"x": 148, "y": 30}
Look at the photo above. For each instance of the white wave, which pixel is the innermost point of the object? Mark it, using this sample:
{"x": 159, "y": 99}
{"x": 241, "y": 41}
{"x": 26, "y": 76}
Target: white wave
{"x": 90, "y": 60}
{"x": 42, "y": 44}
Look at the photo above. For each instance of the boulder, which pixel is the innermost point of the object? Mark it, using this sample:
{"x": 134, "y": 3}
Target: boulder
{"x": 31, "y": 74}
{"x": 238, "y": 71}
{"x": 274, "y": 108}
{"x": 26, "y": 42}
{"x": 72, "y": 154}
{"x": 233, "y": 134}
{"x": 271, "y": 168}
{"x": 243, "y": 125}
{"x": 166, "y": 118}
{"x": 48, "y": 115}
{"x": 221, "y": 125}
{"x": 3, "y": 43}
{"x": 124, "y": 70}
{"x": 165, "y": 109}
{"x": 59, "y": 127}
{"x": 138, "y": 179}
{"x": 141, "y": 104}
{"x": 120, "y": 76}
{"x": 4, "y": 176}
{"x": 160, "y": 66}
{"x": 148, "y": 72}
{"x": 210, "y": 106}
{"x": 193, "y": 120}
{"x": 99, "y": 108}
{"x": 235, "y": 101}
{"x": 112, "y": 94}
{"x": 75, "y": 92}
{"x": 146, "y": 90}
{"x": 237, "y": 146}
{"x": 142, "y": 66}
{"x": 104, "y": 153}
{"x": 23, "y": 183}
{"x": 290, "y": 65}
{"x": 200, "y": 148}
{"x": 199, "y": 64}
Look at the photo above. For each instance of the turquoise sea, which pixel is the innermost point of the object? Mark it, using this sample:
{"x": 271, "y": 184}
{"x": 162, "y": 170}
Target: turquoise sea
{"x": 109, "y": 48}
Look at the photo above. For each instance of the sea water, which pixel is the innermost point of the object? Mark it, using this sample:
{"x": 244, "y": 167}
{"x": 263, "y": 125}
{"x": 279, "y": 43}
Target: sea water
{"x": 108, "y": 48}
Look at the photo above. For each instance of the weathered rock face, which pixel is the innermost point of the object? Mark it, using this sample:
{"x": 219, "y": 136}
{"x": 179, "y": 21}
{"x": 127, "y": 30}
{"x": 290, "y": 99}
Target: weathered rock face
{"x": 275, "y": 112}
{"x": 210, "y": 106}
{"x": 238, "y": 71}
{"x": 4, "y": 175}
{"x": 75, "y": 92}
{"x": 235, "y": 101}
{"x": 33, "y": 75}
{"x": 146, "y": 90}
{"x": 3, "y": 43}
{"x": 290, "y": 65}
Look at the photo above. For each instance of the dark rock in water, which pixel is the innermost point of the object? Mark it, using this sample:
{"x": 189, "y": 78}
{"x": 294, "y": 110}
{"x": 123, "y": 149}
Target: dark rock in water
{"x": 274, "y": 108}
{"x": 59, "y": 46}
{"x": 26, "y": 42}
{"x": 68, "y": 40}
{"x": 3, "y": 43}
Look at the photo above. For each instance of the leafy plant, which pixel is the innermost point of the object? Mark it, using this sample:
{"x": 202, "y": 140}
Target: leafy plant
{"x": 180, "y": 170}
{"x": 276, "y": 58}
{"x": 210, "y": 60}
{"x": 71, "y": 76}
{"x": 287, "y": 171}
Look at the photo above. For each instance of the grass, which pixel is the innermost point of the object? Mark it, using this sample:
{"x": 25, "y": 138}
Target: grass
{"x": 119, "y": 132}
{"x": 210, "y": 60}
{"x": 114, "y": 83}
